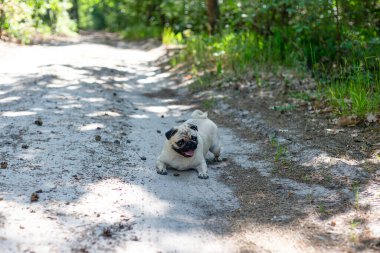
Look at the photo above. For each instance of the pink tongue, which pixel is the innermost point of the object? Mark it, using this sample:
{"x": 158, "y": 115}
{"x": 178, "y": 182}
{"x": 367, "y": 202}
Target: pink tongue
{"x": 189, "y": 153}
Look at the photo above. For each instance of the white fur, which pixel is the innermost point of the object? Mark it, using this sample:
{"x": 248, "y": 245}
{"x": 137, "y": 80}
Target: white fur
{"x": 197, "y": 114}
{"x": 208, "y": 140}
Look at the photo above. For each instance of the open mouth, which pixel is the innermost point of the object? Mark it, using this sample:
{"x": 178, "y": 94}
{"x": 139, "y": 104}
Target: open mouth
{"x": 188, "y": 153}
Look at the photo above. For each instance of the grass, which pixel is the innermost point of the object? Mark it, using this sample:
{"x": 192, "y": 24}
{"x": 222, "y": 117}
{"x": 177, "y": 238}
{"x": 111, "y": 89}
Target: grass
{"x": 301, "y": 95}
{"x": 321, "y": 208}
{"x": 351, "y": 87}
{"x": 141, "y": 32}
{"x": 355, "y": 189}
{"x": 358, "y": 94}
{"x": 209, "y": 103}
{"x": 280, "y": 151}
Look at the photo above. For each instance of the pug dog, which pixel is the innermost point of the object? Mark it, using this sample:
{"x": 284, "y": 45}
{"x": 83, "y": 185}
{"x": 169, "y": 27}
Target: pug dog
{"x": 186, "y": 145}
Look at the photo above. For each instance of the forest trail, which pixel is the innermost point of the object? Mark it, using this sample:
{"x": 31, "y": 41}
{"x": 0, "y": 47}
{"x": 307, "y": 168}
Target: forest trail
{"x": 81, "y": 126}
{"x": 78, "y": 134}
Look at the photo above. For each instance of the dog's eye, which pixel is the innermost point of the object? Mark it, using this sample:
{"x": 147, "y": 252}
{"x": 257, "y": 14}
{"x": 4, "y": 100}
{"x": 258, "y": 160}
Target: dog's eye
{"x": 194, "y": 138}
{"x": 180, "y": 142}
{"x": 194, "y": 127}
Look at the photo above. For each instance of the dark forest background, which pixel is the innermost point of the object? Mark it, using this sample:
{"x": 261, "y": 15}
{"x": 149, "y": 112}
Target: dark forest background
{"x": 335, "y": 41}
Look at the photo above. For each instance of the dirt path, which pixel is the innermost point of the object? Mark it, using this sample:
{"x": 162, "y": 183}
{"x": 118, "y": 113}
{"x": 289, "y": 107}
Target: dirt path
{"x": 77, "y": 131}
{"x": 81, "y": 125}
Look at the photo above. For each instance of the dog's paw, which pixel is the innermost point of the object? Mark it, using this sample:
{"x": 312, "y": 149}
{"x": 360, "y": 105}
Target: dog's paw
{"x": 217, "y": 159}
{"x": 202, "y": 175}
{"x": 162, "y": 172}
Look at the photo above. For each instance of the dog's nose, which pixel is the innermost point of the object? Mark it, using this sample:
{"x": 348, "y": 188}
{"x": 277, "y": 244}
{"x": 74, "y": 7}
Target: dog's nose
{"x": 193, "y": 145}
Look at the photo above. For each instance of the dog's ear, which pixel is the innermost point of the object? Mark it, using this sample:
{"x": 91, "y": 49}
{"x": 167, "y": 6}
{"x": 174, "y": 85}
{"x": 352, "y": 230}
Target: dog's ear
{"x": 170, "y": 133}
{"x": 194, "y": 127}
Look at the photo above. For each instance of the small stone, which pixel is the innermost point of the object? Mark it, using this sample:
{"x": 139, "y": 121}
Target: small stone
{"x": 128, "y": 141}
{"x": 114, "y": 94}
{"x": 107, "y": 232}
{"x": 224, "y": 159}
{"x": 39, "y": 191}
{"x": 3, "y": 165}
{"x": 143, "y": 158}
{"x": 24, "y": 146}
{"x": 98, "y": 138}
{"x": 38, "y": 122}
{"x": 135, "y": 238}
{"x": 117, "y": 142}
{"x": 176, "y": 174}
{"x": 34, "y": 197}
{"x": 162, "y": 116}
{"x": 158, "y": 131}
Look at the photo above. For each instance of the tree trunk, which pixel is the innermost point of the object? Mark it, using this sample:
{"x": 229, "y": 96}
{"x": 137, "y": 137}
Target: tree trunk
{"x": 337, "y": 23}
{"x": 75, "y": 12}
{"x": 2, "y": 18}
{"x": 213, "y": 15}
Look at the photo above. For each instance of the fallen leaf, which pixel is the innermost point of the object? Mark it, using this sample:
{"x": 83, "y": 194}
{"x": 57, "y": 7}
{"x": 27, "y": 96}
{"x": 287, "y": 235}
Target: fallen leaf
{"x": 34, "y": 197}
{"x": 107, "y": 232}
{"x": 348, "y": 121}
{"x": 3, "y": 165}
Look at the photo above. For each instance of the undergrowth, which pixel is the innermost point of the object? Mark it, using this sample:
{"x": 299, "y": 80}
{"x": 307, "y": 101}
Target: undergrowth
{"x": 357, "y": 94}
{"x": 141, "y": 32}
{"x": 351, "y": 87}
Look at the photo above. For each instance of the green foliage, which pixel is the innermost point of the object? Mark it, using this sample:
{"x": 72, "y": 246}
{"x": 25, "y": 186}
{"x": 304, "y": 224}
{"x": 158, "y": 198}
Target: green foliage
{"x": 280, "y": 152}
{"x": 141, "y": 32}
{"x": 208, "y": 104}
{"x": 358, "y": 94}
{"x": 301, "y": 95}
{"x": 169, "y": 37}
{"x": 337, "y": 41}
{"x": 22, "y": 19}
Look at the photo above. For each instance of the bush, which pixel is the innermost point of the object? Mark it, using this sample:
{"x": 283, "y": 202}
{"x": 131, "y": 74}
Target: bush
{"x": 23, "y": 19}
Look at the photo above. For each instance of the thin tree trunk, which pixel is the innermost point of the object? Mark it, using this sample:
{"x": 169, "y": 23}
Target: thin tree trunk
{"x": 75, "y": 12}
{"x": 213, "y": 15}
{"x": 2, "y": 18}
{"x": 337, "y": 28}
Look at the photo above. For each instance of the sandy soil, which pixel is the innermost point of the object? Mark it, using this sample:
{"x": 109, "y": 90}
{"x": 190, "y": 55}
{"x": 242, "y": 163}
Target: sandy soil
{"x": 82, "y": 122}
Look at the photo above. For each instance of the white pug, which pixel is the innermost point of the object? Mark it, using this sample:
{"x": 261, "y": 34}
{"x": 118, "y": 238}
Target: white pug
{"x": 187, "y": 145}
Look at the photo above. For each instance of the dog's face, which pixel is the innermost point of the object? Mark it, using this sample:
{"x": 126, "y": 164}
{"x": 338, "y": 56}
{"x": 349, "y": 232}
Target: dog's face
{"x": 183, "y": 139}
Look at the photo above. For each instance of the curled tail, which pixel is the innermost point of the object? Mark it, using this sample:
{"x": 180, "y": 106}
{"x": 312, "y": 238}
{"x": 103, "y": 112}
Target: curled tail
{"x": 197, "y": 114}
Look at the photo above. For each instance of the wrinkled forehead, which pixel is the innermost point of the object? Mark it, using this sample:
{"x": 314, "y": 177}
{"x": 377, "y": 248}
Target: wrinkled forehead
{"x": 185, "y": 130}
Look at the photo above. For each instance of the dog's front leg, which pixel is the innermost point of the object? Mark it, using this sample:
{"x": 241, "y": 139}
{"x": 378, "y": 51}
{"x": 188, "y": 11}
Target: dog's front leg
{"x": 161, "y": 168}
{"x": 202, "y": 170}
